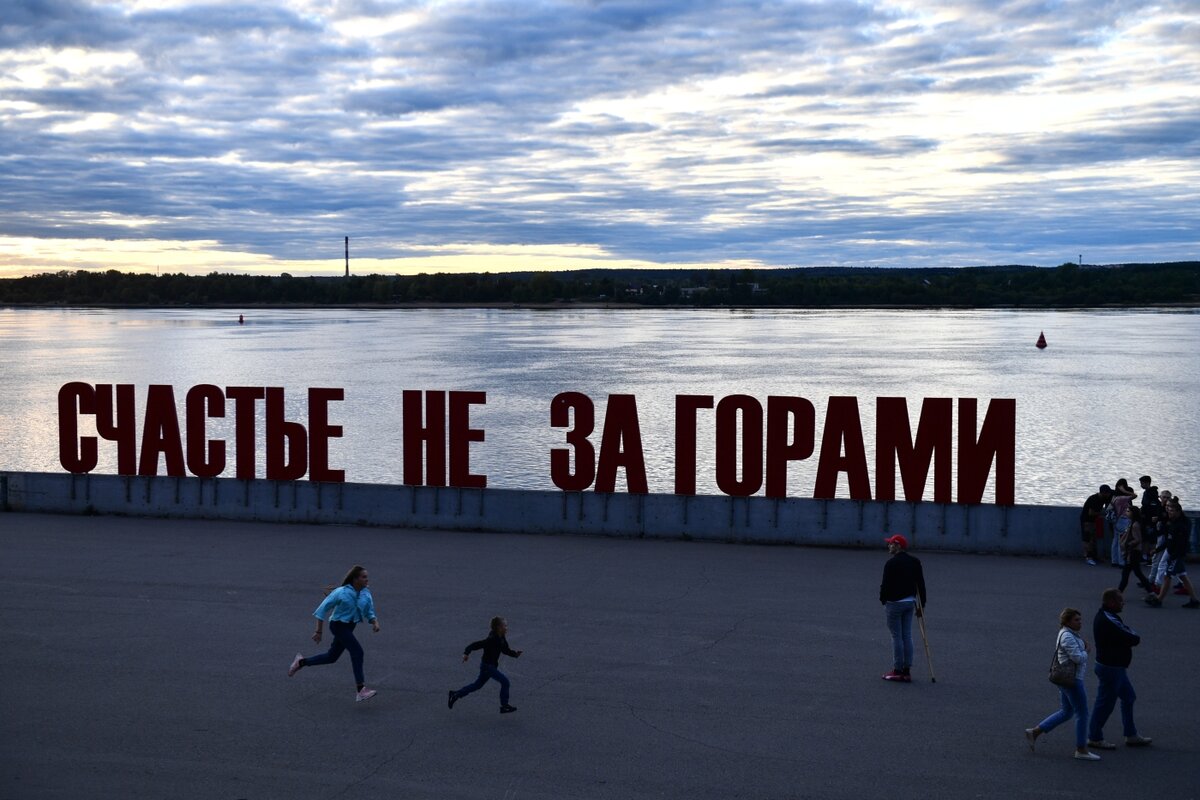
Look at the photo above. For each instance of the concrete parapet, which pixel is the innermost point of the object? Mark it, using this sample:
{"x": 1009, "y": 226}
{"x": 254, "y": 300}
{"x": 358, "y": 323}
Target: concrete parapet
{"x": 1023, "y": 530}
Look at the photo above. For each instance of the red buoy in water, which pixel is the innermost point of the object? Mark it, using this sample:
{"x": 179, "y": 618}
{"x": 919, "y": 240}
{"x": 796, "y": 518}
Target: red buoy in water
{"x": 1041, "y": 342}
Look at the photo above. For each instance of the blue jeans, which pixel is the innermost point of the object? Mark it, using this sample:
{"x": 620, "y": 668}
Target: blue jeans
{"x": 343, "y": 640}
{"x": 486, "y": 672}
{"x": 899, "y": 622}
{"x": 1074, "y": 704}
{"x": 1114, "y": 685}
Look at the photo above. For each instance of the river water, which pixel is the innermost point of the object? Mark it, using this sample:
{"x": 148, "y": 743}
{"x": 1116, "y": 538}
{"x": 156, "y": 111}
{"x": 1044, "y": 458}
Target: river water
{"x": 1116, "y": 393}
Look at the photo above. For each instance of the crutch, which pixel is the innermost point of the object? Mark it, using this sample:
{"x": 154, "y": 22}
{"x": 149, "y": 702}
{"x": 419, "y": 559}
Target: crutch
{"x": 924, "y": 637}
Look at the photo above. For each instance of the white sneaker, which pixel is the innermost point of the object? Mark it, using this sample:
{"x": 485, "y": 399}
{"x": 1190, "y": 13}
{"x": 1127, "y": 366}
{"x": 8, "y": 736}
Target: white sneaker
{"x": 1086, "y": 756}
{"x": 364, "y": 694}
{"x": 295, "y": 667}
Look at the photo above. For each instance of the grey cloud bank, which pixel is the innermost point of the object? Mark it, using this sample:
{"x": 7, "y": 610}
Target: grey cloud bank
{"x": 676, "y": 133}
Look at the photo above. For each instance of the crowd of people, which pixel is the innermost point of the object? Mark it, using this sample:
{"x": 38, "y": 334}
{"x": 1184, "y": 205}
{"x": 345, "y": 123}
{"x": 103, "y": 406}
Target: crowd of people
{"x": 1148, "y": 541}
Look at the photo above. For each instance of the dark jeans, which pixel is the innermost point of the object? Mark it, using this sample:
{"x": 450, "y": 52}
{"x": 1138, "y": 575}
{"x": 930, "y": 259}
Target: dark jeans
{"x": 487, "y": 672}
{"x": 1133, "y": 563}
{"x": 343, "y": 639}
{"x": 1114, "y": 685}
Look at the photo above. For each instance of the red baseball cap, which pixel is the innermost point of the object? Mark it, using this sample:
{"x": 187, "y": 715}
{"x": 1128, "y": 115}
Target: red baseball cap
{"x": 897, "y": 539}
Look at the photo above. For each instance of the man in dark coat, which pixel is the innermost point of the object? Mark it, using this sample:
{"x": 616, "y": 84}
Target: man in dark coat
{"x": 903, "y": 582}
{"x": 1114, "y": 651}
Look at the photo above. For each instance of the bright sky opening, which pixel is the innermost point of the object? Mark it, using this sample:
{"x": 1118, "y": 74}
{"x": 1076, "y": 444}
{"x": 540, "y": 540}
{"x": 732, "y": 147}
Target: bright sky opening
{"x": 496, "y": 136}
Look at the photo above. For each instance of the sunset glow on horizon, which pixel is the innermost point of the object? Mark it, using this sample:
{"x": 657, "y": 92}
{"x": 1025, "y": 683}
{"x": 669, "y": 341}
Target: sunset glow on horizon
{"x": 488, "y": 137}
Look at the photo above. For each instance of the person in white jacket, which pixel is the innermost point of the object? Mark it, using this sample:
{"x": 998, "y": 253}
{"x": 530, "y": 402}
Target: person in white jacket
{"x": 1069, "y": 646}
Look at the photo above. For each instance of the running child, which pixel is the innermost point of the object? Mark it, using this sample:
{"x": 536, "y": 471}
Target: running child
{"x": 345, "y": 607}
{"x": 489, "y": 664}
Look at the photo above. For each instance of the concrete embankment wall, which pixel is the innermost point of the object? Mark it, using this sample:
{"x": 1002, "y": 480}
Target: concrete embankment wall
{"x": 1025, "y": 530}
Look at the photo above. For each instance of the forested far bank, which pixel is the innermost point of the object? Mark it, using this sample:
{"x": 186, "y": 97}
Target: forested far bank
{"x": 1069, "y": 285}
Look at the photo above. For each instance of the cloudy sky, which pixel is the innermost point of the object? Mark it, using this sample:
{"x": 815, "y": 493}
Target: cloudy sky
{"x": 471, "y": 136}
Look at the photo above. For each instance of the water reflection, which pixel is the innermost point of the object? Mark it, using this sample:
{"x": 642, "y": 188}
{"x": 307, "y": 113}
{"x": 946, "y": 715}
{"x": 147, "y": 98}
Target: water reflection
{"x": 1113, "y": 395}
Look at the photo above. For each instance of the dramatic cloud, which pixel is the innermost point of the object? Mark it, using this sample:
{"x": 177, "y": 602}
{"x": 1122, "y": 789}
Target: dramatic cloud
{"x": 509, "y": 135}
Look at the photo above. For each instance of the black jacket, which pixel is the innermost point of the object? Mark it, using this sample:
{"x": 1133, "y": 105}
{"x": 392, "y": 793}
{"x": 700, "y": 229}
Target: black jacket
{"x": 902, "y": 577}
{"x": 1114, "y": 639}
{"x": 492, "y": 647}
{"x": 1092, "y": 507}
{"x": 1179, "y": 530}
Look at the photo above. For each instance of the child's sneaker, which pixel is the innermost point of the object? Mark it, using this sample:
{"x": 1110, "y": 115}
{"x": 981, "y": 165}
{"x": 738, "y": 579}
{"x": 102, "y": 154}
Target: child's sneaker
{"x": 364, "y": 694}
{"x": 296, "y": 665}
{"x": 893, "y": 675}
{"x": 507, "y": 709}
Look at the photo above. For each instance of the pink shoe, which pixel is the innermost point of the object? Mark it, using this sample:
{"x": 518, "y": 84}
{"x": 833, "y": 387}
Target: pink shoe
{"x": 893, "y": 676}
{"x": 295, "y": 667}
{"x": 364, "y": 694}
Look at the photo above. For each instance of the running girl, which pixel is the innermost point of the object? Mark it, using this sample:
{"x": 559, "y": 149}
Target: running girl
{"x": 345, "y": 607}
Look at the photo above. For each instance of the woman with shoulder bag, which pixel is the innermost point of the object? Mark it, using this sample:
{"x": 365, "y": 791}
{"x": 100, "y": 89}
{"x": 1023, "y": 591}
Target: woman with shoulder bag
{"x": 1131, "y": 545}
{"x": 1073, "y": 648}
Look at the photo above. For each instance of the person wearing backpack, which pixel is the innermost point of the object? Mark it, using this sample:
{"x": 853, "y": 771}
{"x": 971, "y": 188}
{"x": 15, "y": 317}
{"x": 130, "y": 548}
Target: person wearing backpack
{"x": 345, "y": 606}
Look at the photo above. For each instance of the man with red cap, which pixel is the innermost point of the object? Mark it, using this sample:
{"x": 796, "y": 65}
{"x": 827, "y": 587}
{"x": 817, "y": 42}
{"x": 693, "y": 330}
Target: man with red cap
{"x": 903, "y": 582}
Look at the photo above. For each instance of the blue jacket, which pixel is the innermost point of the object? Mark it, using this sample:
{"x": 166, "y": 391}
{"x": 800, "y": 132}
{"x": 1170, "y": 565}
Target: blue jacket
{"x": 344, "y": 604}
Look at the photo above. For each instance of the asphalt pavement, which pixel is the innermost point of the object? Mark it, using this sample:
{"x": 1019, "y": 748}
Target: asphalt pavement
{"x": 148, "y": 659}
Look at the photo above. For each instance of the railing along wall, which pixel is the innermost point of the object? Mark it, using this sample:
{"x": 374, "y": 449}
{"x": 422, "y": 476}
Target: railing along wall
{"x": 1017, "y": 530}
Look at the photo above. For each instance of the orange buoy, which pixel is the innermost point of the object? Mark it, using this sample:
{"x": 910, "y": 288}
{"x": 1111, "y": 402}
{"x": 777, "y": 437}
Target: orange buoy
{"x": 1041, "y": 342}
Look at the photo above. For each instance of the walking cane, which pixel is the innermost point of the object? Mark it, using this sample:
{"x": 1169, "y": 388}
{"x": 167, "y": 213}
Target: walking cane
{"x": 924, "y": 637}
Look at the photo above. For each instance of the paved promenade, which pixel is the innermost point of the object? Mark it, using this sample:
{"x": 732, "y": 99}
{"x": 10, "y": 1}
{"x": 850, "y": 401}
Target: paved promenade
{"x": 147, "y": 659}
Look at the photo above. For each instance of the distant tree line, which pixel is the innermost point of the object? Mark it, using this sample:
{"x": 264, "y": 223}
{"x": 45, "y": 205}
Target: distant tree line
{"x": 1069, "y": 285}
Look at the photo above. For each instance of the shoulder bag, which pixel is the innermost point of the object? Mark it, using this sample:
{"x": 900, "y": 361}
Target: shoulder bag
{"x": 1061, "y": 674}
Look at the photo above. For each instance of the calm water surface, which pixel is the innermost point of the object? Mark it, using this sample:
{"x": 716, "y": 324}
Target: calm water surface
{"x": 1116, "y": 394}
